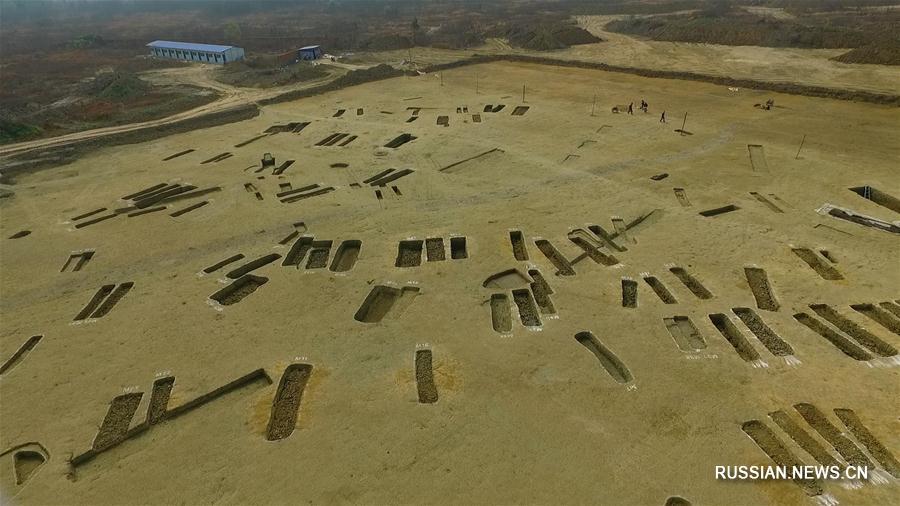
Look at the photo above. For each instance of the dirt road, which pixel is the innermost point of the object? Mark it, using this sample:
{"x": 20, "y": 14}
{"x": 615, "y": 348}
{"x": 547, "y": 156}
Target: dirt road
{"x": 200, "y": 75}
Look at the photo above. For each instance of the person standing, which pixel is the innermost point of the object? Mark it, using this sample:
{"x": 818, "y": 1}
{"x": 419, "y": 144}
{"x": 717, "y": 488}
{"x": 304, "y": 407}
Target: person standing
{"x": 631, "y": 108}
{"x": 662, "y": 119}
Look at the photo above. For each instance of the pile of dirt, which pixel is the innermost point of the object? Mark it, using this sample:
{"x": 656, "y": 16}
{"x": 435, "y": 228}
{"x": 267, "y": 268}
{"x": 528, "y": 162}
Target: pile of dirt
{"x": 547, "y": 37}
{"x": 877, "y": 54}
{"x": 117, "y": 86}
{"x": 266, "y": 72}
{"x": 376, "y": 73}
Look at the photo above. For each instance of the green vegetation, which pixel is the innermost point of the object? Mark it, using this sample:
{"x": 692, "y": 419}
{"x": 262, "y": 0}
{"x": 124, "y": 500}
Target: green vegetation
{"x": 11, "y": 131}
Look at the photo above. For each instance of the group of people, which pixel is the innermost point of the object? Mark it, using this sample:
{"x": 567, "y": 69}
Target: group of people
{"x": 644, "y": 107}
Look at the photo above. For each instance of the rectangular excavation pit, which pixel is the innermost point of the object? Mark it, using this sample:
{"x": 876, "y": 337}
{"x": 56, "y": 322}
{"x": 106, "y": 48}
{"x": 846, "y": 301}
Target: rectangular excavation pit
{"x": 134, "y": 196}
{"x": 159, "y": 399}
{"x": 846, "y": 346}
{"x": 859, "y": 219}
{"x": 113, "y": 299}
{"x": 286, "y": 404}
{"x": 253, "y": 265}
{"x": 607, "y": 238}
{"x": 845, "y": 447}
{"x": 681, "y": 195}
{"x": 238, "y": 289}
{"x": 608, "y": 360}
{"x": 319, "y": 254}
{"x": 277, "y": 171}
{"x": 400, "y": 140}
{"x": 409, "y": 253}
{"x": 388, "y": 177}
{"x": 761, "y": 289}
{"x": 95, "y": 220}
{"x": 769, "y": 443}
{"x": 176, "y": 155}
{"x": 346, "y": 255}
{"x": 520, "y": 110}
{"x": 250, "y": 140}
{"x": 758, "y": 158}
{"x": 686, "y": 335}
{"x": 98, "y": 297}
{"x": 501, "y": 319}
{"x": 563, "y": 267}
{"x": 877, "y": 196}
{"x": 660, "y": 290}
{"x": 734, "y": 337}
{"x": 218, "y": 265}
{"x": 425, "y": 386}
{"x": 146, "y": 211}
{"x": 88, "y": 214}
{"x": 443, "y": 121}
{"x": 339, "y": 113}
{"x": 823, "y": 269}
{"x": 592, "y": 251}
{"x": 302, "y": 196}
{"x": 772, "y": 341}
{"x": 719, "y": 210}
{"x": 520, "y": 252}
{"x": 768, "y": 203}
{"x": 188, "y": 209}
{"x": 629, "y": 293}
{"x": 20, "y": 353}
{"x": 528, "y": 312}
{"x": 542, "y": 292}
{"x": 218, "y": 158}
{"x": 378, "y": 176}
{"x": 691, "y": 283}
{"x": 381, "y": 300}
{"x": 862, "y": 434}
{"x": 458, "y": 248}
{"x": 77, "y": 261}
{"x": 118, "y": 418}
{"x": 869, "y": 340}
{"x": 498, "y": 108}
{"x": 809, "y": 444}
{"x": 879, "y": 316}
{"x": 434, "y": 249}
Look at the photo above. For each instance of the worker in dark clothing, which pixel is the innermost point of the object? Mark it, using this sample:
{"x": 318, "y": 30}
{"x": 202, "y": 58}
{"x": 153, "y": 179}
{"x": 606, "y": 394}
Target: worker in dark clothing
{"x": 644, "y": 105}
{"x": 662, "y": 119}
{"x": 631, "y": 108}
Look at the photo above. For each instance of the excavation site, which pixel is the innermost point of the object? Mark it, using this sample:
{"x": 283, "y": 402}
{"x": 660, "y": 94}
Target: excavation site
{"x": 508, "y": 278}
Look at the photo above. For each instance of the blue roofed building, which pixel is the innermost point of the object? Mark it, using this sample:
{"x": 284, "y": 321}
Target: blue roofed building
{"x": 187, "y": 51}
{"x": 309, "y": 53}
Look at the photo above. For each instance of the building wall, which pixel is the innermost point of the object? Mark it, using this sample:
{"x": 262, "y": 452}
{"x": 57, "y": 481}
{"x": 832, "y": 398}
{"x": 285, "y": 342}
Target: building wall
{"x": 233, "y": 54}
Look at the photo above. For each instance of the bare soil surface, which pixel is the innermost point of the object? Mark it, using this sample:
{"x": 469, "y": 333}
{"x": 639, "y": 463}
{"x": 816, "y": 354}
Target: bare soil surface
{"x": 526, "y": 413}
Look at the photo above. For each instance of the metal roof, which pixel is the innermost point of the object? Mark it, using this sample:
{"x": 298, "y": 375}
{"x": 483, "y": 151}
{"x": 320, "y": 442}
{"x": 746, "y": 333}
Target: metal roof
{"x": 307, "y": 48}
{"x": 189, "y": 46}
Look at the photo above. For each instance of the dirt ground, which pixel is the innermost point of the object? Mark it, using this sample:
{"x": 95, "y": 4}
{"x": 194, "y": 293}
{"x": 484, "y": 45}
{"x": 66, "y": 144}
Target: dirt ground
{"x": 537, "y": 414}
